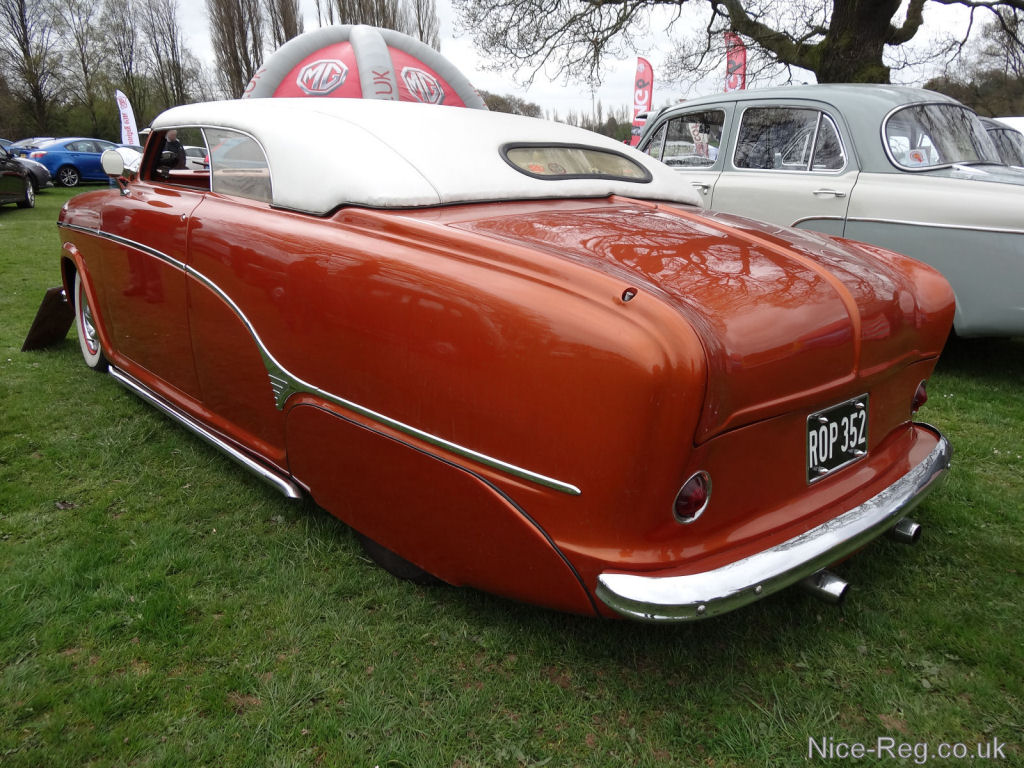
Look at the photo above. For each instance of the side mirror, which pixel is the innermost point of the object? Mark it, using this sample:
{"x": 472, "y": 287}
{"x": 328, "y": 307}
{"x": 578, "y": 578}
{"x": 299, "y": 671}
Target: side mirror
{"x": 112, "y": 162}
{"x": 113, "y": 165}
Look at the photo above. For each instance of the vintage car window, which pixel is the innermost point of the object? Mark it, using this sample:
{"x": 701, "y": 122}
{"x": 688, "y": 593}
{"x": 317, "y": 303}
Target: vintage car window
{"x": 560, "y": 161}
{"x": 656, "y": 144}
{"x": 933, "y": 135}
{"x": 828, "y": 149}
{"x": 788, "y": 139}
{"x": 172, "y": 170}
{"x": 1009, "y": 144}
{"x": 693, "y": 139}
{"x": 238, "y": 165}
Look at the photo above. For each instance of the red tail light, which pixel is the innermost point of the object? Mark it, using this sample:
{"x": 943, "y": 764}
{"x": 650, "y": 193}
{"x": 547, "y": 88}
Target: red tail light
{"x": 920, "y": 397}
{"x": 35, "y": 155}
{"x": 693, "y": 497}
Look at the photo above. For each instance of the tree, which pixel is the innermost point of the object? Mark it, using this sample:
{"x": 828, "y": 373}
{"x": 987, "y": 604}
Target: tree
{"x": 236, "y": 31}
{"x": 416, "y": 18}
{"x": 991, "y": 79}
{"x": 284, "y": 21}
{"x": 174, "y": 69}
{"x": 838, "y": 40}
{"x": 512, "y": 105}
{"x": 122, "y": 54}
{"x": 86, "y": 60}
{"x": 28, "y": 43}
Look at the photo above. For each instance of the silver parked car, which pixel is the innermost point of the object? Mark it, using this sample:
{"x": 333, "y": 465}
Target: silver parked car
{"x": 904, "y": 168}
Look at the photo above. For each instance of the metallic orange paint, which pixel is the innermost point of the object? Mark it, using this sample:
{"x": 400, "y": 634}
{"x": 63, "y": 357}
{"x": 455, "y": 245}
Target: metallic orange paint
{"x": 614, "y": 345}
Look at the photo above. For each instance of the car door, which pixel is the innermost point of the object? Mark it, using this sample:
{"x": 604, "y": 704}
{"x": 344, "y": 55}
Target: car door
{"x": 89, "y": 165}
{"x": 144, "y": 279}
{"x": 690, "y": 142}
{"x": 789, "y": 165}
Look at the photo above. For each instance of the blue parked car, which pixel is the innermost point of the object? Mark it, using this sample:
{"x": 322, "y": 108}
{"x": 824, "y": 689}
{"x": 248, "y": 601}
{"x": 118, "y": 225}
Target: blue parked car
{"x": 72, "y": 160}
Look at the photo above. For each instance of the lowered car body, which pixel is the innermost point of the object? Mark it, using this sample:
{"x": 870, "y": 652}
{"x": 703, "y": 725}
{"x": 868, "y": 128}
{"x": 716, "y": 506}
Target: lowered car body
{"x": 514, "y": 355}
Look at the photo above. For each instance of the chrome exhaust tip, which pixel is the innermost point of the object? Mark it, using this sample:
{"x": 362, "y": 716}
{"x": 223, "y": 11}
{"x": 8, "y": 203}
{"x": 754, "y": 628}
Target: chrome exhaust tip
{"x": 906, "y": 531}
{"x": 826, "y": 586}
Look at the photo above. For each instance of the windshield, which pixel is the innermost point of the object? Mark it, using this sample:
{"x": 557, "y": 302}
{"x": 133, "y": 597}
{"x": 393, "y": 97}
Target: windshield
{"x": 934, "y": 135}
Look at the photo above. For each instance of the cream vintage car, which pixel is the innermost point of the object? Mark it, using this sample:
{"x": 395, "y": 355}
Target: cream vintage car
{"x": 907, "y": 169}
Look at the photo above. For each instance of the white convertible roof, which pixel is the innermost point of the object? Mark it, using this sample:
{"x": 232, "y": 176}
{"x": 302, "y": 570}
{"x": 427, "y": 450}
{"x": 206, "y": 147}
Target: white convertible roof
{"x": 324, "y": 153}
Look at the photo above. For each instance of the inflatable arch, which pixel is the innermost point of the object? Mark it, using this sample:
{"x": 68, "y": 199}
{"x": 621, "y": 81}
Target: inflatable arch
{"x": 359, "y": 61}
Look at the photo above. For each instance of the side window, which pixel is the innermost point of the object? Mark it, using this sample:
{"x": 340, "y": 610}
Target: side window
{"x": 657, "y": 142}
{"x": 693, "y": 139}
{"x": 170, "y": 163}
{"x": 788, "y": 139}
{"x": 238, "y": 165}
{"x": 828, "y": 149}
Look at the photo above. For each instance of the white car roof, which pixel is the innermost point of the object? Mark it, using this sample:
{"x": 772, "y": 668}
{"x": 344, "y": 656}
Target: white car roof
{"x": 324, "y": 153}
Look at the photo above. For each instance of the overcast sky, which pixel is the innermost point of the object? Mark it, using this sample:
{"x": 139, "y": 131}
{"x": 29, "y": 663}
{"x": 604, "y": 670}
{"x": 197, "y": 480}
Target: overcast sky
{"x": 616, "y": 90}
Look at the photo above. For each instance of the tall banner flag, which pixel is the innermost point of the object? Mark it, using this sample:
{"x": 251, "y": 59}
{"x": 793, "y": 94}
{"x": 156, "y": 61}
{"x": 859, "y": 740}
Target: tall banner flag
{"x": 643, "y": 97}
{"x": 129, "y": 132}
{"x": 735, "y": 63}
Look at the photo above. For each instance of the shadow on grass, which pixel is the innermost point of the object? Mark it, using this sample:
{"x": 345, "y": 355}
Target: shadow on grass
{"x": 994, "y": 360}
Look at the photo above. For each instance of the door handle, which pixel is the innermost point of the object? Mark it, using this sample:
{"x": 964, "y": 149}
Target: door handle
{"x": 832, "y": 192}
{"x": 702, "y": 186}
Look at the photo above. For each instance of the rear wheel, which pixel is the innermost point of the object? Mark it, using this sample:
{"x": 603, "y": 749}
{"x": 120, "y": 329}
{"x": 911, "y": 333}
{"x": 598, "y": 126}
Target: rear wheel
{"x": 394, "y": 564}
{"x": 68, "y": 176}
{"x": 88, "y": 338}
{"x": 30, "y": 195}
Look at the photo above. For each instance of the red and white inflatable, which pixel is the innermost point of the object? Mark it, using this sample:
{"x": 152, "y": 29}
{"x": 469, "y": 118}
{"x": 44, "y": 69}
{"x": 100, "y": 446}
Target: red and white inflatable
{"x": 362, "y": 62}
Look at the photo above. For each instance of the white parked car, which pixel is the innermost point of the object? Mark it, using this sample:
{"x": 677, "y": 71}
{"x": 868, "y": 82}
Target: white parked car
{"x": 903, "y": 168}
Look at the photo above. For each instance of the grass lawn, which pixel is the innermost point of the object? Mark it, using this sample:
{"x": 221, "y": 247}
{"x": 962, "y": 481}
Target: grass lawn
{"x": 160, "y": 607}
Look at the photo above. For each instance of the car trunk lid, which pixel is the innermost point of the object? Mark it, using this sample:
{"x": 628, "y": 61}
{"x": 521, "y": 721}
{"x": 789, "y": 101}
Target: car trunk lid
{"x": 789, "y": 319}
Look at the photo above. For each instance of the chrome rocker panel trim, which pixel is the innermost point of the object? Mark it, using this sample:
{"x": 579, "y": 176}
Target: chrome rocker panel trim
{"x": 275, "y": 478}
{"x": 710, "y": 593}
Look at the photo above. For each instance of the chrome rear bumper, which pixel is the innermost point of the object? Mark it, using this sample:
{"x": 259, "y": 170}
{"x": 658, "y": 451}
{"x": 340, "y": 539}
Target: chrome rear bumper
{"x": 651, "y": 597}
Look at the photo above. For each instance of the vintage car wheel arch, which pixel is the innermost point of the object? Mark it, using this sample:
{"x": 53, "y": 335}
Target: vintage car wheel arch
{"x": 73, "y": 266}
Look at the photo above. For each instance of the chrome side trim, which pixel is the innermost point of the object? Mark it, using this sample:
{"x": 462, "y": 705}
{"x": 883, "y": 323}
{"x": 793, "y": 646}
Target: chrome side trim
{"x": 275, "y": 478}
{"x": 798, "y": 222}
{"x": 709, "y": 593}
{"x": 934, "y": 225}
{"x": 284, "y": 384}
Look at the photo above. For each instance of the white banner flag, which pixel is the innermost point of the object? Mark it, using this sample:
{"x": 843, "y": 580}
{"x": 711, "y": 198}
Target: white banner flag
{"x": 129, "y": 133}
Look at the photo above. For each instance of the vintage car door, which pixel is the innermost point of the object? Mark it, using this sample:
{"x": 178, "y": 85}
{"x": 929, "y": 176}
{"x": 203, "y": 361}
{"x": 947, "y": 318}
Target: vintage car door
{"x": 789, "y": 164}
{"x": 240, "y": 270}
{"x": 141, "y": 280}
{"x": 691, "y": 143}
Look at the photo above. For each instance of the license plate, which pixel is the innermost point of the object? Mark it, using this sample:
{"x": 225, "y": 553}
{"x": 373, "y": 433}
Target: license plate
{"x": 836, "y": 436}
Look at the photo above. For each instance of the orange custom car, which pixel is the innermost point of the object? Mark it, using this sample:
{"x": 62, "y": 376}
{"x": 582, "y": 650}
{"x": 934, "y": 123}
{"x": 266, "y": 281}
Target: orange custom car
{"x": 515, "y": 355}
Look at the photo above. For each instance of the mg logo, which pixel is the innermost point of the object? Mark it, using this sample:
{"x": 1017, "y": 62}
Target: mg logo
{"x": 422, "y": 85}
{"x": 322, "y": 77}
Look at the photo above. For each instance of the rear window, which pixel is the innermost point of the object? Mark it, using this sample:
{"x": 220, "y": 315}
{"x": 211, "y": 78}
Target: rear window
{"x": 570, "y": 161}
{"x": 935, "y": 135}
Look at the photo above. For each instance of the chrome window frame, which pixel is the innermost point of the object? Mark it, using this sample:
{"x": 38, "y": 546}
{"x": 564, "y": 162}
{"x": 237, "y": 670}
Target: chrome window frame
{"x": 883, "y": 136}
{"x": 822, "y": 112}
{"x": 681, "y": 114}
{"x": 202, "y": 128}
